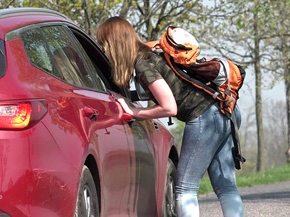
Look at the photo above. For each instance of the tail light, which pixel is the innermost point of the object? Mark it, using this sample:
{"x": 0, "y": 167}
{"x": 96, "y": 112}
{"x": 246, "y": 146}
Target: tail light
{"x": 21, "y": 114}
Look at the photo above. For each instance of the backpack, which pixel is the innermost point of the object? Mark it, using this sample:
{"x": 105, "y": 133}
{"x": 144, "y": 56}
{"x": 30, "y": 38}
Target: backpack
{"x": 219, "y": 77}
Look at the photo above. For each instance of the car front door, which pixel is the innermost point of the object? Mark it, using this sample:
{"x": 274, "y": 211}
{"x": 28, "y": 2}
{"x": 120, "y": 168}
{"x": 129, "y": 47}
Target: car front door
{"x": 139, "y": 197}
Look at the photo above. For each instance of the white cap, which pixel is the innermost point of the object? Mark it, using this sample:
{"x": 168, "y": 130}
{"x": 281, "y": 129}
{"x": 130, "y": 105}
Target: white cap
{"x": 180, "y": 36}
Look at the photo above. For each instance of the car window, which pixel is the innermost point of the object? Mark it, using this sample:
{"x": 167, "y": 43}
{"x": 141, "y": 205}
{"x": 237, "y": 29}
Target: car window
{"x": 67, "y": 61}
{"x": 36, "y": 51}
{"x": 98, "y": 61}
{"x": 2, "y": 58}
{"x": 95, "y": 73}
{"x": 52, "y": 49}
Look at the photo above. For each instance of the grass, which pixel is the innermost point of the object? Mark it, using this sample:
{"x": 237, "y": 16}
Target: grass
{"x": 273, "y": 175}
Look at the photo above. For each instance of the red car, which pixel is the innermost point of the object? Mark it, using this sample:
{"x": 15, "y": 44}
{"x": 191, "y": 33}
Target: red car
{"x": 66, "y": 146}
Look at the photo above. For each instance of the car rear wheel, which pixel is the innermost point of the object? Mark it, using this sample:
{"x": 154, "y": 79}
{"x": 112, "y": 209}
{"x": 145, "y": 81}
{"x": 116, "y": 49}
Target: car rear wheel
{"x": 87, "y": 202}
{"x": 169, "y": 208}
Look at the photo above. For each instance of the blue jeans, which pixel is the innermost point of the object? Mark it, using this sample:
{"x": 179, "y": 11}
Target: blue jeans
{"x": 206, "y": 145}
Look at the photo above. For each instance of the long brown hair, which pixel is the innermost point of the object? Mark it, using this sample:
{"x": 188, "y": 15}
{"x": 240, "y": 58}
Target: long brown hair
{"x": 122, "y": 46}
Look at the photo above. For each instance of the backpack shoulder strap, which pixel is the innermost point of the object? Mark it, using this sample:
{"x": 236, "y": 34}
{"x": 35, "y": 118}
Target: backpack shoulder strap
{"x": 197, "y": 83}
{"x": 236, "y": 150}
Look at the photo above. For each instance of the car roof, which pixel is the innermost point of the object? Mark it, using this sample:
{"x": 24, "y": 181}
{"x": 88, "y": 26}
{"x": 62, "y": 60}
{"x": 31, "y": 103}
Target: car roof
{"x": 29, "y": 11}
{"x": 10, "y": 18}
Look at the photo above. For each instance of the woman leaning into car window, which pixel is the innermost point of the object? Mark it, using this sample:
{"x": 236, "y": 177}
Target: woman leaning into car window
{"x": 207, "y": 137}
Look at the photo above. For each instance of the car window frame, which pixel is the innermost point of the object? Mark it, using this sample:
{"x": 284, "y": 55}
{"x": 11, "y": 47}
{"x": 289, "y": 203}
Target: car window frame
{"x": 16, "y": 33}
{"x": 76, "y": 31}
{"x": 90, "y": 68}
{"x": 80, "y": 56}
{"x": 2, "y": 58}
{"x": 95, "y": 49}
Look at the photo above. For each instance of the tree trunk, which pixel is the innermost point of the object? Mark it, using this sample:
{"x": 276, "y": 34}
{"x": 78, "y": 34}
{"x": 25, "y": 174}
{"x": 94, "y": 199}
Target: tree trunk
{"x": 125, "y": 8}
{"x": 87, "y": 14}
{"x": 287, "y": 85}
{"x": 259, "y": 119}
{"x": 286, "y": 62}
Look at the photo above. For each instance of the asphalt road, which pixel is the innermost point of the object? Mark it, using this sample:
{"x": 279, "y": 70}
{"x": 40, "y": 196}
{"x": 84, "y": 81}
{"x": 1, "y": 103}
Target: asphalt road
{"x": 259, "y": 201}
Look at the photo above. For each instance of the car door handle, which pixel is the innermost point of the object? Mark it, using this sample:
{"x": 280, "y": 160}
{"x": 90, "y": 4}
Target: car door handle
{"x": 90, "y": 113}
{"x": 128, "y": 118}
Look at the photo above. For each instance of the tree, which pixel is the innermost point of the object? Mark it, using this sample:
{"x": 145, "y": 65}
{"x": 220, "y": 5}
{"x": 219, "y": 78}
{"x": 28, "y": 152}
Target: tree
{"x": 240, "y": 31}
{"x": 257, "y": 25}
{"x": 151, "y": 17}
{"x": 88, "y": 14}
{"x": 275, "y": 132}
{"x": 9, "y": 3}
{"x": 281, "y": 25}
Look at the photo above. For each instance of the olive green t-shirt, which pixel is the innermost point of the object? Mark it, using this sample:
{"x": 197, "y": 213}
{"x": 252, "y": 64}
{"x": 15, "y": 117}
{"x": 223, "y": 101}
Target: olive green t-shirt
{"x": 191, "y": 101}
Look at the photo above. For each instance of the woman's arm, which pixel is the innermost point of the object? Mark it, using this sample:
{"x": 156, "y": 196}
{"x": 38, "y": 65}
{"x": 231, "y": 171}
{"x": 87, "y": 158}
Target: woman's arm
{"x": 166, "y": 103}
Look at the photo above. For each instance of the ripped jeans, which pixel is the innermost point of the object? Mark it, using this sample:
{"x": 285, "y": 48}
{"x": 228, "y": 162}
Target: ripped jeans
{"x": 206, "y": 145}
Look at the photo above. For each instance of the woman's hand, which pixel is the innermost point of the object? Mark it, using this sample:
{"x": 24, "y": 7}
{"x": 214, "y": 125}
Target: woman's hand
{"x": 125, "y": 106}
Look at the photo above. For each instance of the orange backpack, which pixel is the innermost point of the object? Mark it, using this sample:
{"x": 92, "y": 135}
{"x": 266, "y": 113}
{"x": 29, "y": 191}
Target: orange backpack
{"x": 220, "y": 78}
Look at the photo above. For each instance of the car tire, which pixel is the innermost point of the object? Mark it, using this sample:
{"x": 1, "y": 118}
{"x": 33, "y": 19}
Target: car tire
{"x": 169, "y": 205}
{"x": 87, "y": 201}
